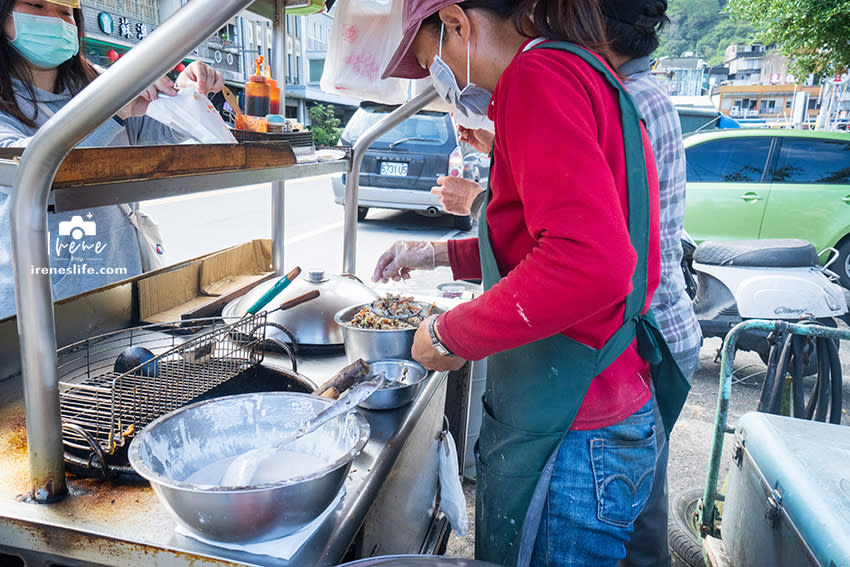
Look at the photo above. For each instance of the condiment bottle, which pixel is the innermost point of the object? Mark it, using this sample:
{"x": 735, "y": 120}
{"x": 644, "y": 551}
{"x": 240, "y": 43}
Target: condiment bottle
{"x": 257, "y": 92}
{"x": 274, "y": 99}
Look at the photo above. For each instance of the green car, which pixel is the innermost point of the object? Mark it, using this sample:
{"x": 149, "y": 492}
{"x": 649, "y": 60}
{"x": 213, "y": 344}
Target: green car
{"x": 748, "y": 184}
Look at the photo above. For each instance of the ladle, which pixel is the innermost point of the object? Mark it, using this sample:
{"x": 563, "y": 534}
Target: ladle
{"x": 242, "y": 470}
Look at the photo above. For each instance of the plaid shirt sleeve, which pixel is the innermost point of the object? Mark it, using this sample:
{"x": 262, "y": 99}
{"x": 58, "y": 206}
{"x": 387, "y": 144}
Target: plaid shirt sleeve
{"x": 671, "y": 305}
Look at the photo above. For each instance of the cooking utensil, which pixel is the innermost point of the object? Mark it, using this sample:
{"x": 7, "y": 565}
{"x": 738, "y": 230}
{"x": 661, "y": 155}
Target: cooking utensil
{"x": 177, "y": 446}
{"x": 244, "y": 468}
{"x": 231, "y": 100}
{"x": 299, "y": 300}
{"x": 276, "y": 288}
{"x": 376, "y": 344}
{"x": 312, "y": 323}
{"x": 404, "y": 379}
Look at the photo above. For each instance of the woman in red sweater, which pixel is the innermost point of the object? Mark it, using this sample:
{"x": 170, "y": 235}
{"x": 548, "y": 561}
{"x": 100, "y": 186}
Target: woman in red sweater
{"x": 568, "y": 252}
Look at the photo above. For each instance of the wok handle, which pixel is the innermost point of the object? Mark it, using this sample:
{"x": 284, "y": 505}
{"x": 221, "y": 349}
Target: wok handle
{"x": 303, "y": 298}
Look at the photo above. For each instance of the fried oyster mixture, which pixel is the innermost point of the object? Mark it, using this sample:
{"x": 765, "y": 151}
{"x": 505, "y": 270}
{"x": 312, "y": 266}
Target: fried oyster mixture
{"x": 389, "y": 312}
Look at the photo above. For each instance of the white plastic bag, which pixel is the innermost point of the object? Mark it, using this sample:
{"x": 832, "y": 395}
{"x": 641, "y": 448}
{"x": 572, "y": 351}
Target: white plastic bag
{"x": 149, "y": 236}
{"x": 364, "y": 37}
{"x": 452, "y": 500}
{"x": 191, "y": 114}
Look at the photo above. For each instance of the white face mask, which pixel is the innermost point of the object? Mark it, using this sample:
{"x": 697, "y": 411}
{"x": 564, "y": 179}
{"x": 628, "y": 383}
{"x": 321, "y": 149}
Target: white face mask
{"x": 471, "y": 102}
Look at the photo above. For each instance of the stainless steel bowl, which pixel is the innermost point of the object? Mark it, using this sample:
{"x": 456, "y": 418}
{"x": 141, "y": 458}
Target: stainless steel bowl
{"x": 178, "y": 445}
{"x": 405, "y": 379}
{"x": 374, "y": 344}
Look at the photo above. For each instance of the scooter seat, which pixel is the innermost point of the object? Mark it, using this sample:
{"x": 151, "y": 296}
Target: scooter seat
{"x": 769, "y": 253}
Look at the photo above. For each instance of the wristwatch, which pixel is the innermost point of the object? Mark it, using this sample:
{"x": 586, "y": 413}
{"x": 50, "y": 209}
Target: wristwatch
{"x": 439, "y": 345}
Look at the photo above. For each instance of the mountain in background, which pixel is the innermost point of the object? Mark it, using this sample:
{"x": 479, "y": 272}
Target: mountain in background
{"x": 702, "y": 27}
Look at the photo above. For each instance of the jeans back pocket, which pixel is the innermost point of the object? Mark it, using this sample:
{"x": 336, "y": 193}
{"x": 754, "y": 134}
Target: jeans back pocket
{"x": 623, "y": 471}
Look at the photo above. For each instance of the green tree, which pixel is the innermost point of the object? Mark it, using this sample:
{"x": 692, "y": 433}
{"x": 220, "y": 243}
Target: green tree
{"x": 812, "y": 33}
{"x": 700, "y": 26}
{"x": 324, "y": 125}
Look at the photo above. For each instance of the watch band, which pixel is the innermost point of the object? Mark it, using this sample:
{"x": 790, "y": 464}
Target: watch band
{"x": 438, "y": 345}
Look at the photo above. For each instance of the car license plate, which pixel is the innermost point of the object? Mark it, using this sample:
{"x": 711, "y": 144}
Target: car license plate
{"x": 394, "y": 168}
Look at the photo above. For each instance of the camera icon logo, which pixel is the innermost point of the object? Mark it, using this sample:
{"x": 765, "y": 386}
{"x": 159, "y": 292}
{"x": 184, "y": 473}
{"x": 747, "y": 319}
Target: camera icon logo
{"x": 76, "y": 228}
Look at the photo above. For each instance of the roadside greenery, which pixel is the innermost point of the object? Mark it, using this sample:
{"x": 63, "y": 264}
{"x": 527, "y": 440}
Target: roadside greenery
{"x": 324, "y": 125}
{"x": 703, "y": 27}
{"x": 812, "y": 33}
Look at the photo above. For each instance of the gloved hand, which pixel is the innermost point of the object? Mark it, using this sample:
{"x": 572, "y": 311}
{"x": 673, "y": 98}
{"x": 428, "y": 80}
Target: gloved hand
{"x": 403, "y": 256}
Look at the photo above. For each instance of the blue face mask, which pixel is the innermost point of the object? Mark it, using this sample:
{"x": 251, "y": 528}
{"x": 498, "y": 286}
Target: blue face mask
{"x": 44, "y": 41}
{"x": 471, "y": 102}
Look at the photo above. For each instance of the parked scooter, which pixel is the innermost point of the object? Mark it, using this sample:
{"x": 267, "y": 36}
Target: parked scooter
{"x": 760, "y": 279}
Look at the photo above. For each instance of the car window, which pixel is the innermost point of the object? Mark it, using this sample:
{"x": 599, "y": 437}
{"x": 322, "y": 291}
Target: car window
{"x": 739, "y": 160}
{"x": 813, "y": 161}
{"x": 424, "y": 128}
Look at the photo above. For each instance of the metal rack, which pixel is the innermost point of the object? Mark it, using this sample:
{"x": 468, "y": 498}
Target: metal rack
{"x": 34, "y": 175}
{"x": 108, "y": 407}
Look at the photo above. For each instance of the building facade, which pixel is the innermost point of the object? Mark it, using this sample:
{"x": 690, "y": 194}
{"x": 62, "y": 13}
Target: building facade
{"x": 113, "y": 27}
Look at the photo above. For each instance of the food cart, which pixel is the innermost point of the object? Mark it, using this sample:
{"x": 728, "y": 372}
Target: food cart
{"x": 390, "y": 504}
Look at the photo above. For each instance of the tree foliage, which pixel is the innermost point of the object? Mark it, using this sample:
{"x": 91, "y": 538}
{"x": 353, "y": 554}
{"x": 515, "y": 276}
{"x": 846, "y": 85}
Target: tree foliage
{"x": 812, "y": 33}
{"x": 324, "y": 125}
{"x": 703, "y": 27}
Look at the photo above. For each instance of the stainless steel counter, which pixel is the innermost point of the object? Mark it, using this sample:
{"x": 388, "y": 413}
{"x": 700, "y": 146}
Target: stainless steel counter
{"x": 105, "y": 523}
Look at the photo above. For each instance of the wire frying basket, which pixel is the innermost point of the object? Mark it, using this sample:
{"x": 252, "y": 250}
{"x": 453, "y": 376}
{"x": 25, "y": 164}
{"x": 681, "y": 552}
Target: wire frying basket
{"x": 102, "y": 408}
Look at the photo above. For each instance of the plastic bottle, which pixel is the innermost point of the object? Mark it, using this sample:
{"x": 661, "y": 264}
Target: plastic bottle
{"x": 257, "y": 92}
{"x": 274, "y": 99}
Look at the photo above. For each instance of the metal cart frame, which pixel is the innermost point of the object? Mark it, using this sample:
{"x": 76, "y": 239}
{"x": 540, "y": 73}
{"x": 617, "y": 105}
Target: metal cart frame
{"x": 34, "y": 175}
{"x": 707, "y": 510}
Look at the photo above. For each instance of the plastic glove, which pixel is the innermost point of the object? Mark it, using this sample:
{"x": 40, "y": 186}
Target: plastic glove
{"x": 403, "y": 256}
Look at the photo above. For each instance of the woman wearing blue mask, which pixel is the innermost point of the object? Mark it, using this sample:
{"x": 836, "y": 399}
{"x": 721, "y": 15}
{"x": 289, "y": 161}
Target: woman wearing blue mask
{"x": 568, "y": 252}
{"x": 42, "y": 66}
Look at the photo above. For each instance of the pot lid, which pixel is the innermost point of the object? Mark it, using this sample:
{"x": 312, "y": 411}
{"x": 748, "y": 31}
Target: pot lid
{"x": 312, "y": 323}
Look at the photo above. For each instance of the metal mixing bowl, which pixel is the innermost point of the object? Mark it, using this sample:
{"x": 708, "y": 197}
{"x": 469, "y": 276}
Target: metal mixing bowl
{"x": 177, "y": 445}
{"x": 405, "y": 379}
{"x": 376, "y": 344}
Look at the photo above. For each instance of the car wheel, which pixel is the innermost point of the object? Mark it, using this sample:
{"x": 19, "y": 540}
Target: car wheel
{"x": 361, "y": 213}
{"x": 462, "y": 222}
{"x": 842, "y": 265}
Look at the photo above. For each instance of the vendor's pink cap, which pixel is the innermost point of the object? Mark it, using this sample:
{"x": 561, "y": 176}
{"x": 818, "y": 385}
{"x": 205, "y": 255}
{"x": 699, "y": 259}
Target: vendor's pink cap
{"x": 403, "y": 63}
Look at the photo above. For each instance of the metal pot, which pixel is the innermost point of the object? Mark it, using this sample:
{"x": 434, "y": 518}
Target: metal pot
{"x": 376, "y": 344}
{"x": 312, "y": 323}
{"x": 178, "y": 445}
{"x": 406, "y": 378}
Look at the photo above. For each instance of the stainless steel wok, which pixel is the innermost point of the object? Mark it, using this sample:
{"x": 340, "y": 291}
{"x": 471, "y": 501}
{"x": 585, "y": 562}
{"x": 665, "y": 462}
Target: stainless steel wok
{"x": 312, "y": 323}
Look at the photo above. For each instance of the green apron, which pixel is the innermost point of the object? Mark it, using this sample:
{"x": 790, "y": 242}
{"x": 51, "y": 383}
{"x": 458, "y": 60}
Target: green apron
{"x": 534, "y": 392}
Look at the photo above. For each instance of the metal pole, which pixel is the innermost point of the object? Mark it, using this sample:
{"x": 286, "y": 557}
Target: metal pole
{"x": 278, "y": 67}
{"x": 98, "y": 102}
{"x": 352, "y": 179}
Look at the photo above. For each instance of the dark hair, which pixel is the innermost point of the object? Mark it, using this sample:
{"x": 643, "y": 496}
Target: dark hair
{"x": 73, "y": 74}
{"x": 633, "y": 27}
{"x": 576, "y": 21}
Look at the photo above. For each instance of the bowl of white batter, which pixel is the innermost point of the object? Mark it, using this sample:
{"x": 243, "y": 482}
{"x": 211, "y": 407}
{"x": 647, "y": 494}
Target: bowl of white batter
{"x": 184, "y": 454}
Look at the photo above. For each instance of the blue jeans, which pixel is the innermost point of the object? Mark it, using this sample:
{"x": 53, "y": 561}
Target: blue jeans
{"x": 649, "y": 546}
{"x": 601, "y": 481}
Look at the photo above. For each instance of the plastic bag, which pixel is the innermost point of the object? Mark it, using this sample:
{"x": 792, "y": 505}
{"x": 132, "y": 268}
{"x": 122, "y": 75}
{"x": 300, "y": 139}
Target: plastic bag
{"x": 191, "y": 114}
{"x": 365, "y": 35}
{"x": 452, "y": 500}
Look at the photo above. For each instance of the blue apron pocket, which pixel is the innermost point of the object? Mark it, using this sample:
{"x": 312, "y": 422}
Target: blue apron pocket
{"x": 623, "y": 471}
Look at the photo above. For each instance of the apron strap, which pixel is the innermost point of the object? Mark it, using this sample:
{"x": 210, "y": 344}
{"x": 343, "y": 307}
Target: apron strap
{"x": 638, "y": 184}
